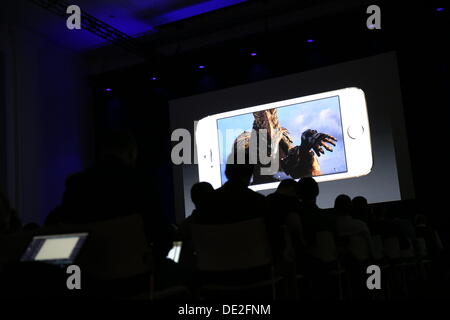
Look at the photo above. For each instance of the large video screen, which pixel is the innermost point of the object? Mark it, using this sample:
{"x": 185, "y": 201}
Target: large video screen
{"x": 390, "y": 178}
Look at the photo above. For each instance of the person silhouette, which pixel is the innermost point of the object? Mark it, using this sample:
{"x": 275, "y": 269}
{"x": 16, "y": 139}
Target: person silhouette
{"x": 346, "y": 225}
{"x": 313, "y": 218}
{"x": 201, "y": 194}
{"x": 234, "y": 201}
{"x": 114, "y": 188}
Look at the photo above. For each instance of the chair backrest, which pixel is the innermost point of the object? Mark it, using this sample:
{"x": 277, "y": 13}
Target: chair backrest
{"x": 325, "y": 247}
{"x": 421, "y": 249}
{"x": 439, "y": 244}
{"x": 231, "y": 246}
{"x": 115, "y": 248}
{"x": 377, "y": 247}
{"x": 408, "y": 252}
{"x": 288, "y": 244}
{"x": 359, "y": 247}
{"x": 392, "y": 248}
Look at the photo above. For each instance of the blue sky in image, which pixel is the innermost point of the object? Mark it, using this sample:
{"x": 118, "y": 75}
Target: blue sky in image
{"x": 322, "y": 115}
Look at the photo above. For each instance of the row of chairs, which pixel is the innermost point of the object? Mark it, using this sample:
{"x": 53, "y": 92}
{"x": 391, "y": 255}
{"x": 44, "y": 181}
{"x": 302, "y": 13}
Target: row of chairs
{"x": 233, "y": 247}
{"x": 115, "y": 251}
{"x": 395, "y": 262}
{"x": 246, "y": 246}
{"x": 222, "y": 248}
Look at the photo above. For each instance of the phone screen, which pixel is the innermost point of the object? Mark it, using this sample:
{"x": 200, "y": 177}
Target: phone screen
{"x": 174, "y": 253}
{"x": 308, "y": 119}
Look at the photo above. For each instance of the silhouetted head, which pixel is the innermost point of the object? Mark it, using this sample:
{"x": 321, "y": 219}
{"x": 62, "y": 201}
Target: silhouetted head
{"x": 239, "y": 172}
{"x": 360, "y": 202}
{"x": 307, "y": 189}
{"x": 239, "y": 169}
{"x": 360, "y": 207}
{"x": 121, "y": 145}
{"x": 288, "y": 187}
{"x": 201, "y": 193}
{"x": 343, "y": 205}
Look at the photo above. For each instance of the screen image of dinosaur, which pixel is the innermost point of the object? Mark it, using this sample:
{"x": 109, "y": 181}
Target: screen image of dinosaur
{"x": 307, "y": 138}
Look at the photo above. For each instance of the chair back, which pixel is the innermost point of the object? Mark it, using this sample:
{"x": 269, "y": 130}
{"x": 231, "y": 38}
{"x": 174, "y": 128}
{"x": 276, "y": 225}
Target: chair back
{"x": 116, "y": 248}
{"x": 408, "y": 253}
{"x": 325, "y": 247}
{"x": 231, "y": 246}
{"x": 392, "y": 248}
{"x": 377, "y": 247}
{"x": 439, "y": 244}
{"x": 421, "y": 249}
{"x": 359, "y": 247}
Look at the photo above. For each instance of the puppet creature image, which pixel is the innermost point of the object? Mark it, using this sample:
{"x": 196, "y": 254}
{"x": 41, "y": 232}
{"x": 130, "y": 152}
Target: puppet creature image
{"x": 295, "y": 161}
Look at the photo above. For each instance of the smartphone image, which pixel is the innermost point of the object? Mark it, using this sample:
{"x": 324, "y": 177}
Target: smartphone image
{"x": 325, "y": 135}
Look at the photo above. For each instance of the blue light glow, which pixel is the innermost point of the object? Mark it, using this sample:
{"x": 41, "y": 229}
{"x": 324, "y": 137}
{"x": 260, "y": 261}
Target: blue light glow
{"x": 193, "y": 10}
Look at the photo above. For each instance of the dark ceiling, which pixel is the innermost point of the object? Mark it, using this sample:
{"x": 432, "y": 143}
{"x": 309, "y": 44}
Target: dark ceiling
{"x": 133, "y": 17}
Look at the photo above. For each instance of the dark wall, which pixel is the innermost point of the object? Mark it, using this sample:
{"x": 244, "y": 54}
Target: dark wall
{"x": 2, "y": 125}
{"x": 143, "y": 111}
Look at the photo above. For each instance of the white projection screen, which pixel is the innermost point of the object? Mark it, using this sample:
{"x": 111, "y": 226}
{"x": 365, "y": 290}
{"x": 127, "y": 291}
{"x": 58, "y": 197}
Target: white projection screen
{"x": 390, "y": 179}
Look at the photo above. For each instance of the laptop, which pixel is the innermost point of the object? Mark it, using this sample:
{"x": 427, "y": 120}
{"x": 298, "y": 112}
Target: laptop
{"x": 59, "y": 249}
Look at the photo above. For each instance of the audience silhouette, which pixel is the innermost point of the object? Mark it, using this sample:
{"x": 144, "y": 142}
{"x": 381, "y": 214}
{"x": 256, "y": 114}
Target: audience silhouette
{"x": 346, "y": 225}
{"x": 295, "y": 224}
{"x": 201, "y": 196}
{"x": 234, "y": 201}
{"x": 429, "y": 235}
{"x": 360, "y": 209}
{"x": 314, "y": 219}
{"x": 283, "y": 201}
{"x": 114, "y": 188}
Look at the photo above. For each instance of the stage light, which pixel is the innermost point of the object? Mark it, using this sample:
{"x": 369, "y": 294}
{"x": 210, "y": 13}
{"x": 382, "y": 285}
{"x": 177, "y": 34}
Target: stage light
{"x": 108, "y": 89}
{"x": 253, "y": 54}
{"x": 440, "y": 9}
{"x": 310, "y": 40}
{"x": 201, "y": 67}
{"x": 153, "y": 78}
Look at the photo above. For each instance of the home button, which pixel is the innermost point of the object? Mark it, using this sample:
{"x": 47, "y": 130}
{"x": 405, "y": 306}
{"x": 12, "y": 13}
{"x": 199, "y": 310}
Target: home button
{"x": 355, "y": 131}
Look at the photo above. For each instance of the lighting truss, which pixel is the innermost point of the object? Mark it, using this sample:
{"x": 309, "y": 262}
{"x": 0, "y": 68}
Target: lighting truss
{"x": 95, "y": 26}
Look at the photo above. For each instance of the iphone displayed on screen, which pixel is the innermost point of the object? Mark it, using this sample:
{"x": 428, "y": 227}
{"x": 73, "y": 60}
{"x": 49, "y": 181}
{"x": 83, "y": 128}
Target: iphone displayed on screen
{"x": 326, "y": 136}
